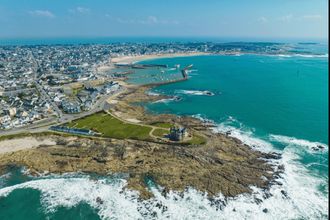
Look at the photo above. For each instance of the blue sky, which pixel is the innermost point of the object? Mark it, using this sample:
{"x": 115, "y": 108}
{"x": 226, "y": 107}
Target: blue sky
{"x": 218, "y": 18}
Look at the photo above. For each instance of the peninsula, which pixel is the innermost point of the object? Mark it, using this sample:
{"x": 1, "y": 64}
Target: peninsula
{"x": 92, "y": 123}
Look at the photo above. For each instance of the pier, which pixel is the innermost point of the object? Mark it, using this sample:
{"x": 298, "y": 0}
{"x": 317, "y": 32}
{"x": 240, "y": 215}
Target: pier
{"x": 166, "y": 82}
{"x": 185, "y": 70}
{"x": 184, "y": 78}
{"x": 140, "y": 66}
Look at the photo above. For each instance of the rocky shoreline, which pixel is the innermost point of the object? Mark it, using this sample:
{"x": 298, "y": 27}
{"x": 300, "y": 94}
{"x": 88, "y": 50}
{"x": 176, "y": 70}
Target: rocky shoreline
{"x": 222, "y": 165}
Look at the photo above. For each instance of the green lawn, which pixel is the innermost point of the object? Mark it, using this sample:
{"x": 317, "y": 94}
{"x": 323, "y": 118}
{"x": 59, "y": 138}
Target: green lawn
{"x": 197, "y": 140}
{"x": 112, "y": 127}
{"x": 162, "y": 124}
{"x": 160, "y": 132}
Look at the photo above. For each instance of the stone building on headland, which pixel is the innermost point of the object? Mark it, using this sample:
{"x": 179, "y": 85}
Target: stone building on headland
{"x": 177, "y": 133}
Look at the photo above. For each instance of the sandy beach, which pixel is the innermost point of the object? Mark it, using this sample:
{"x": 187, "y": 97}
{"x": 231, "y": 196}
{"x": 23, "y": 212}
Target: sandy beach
{"x": 133, "y": 59}
{"x": 12, "y": 145}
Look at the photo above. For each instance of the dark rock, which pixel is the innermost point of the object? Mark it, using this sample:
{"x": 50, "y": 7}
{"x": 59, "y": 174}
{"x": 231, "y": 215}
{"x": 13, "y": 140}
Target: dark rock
{"x": 265, "y": 210}
{"x": 99, "y": 200}
{"x": 266, "y": 195}
{"x": 315, "y": 148}
{"x": 280, "y": 167}
{"x": 99, "y": 160}
{"x": 258, "y": 201}
{"x": 139, "y": 161}
{"x": 285, "y": 194}
{"x": 274, "y": 156}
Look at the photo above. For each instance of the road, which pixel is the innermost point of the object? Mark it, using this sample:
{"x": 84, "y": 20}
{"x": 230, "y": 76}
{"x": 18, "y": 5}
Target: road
{"x": 44, "y": 126}
{"x": 61, "y": 117}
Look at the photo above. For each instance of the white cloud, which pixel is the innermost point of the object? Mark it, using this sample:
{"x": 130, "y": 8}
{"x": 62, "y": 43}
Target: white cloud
{"x": 80, "y": 10}
{"x": 312, "y": 17}
{"x": 126, "y": 21}
{"x": 286, "y": 18}
{"x": 42, "y": 13}
{"x": 263, "y": 20}
{"x": 150, "y": 20}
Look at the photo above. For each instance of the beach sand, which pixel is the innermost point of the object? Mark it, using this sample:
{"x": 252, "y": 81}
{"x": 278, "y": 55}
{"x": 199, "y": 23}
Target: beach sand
{"x": 11, "y": 145}
{"x": 133, "y": 59}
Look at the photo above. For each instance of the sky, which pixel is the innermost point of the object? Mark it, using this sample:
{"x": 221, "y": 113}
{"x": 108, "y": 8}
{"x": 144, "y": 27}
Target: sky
{"x": 165, "y": 18}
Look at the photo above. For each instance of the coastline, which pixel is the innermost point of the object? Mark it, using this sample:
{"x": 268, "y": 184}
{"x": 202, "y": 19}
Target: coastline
{"x": 189, "y": 166}
{"x": 139, "y": 58}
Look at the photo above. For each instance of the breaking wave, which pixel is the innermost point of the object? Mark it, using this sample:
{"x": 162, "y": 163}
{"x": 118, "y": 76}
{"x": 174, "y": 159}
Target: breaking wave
{"x": 152, "y": 93}
{"x": 295, "y": 196}
{"x": 196, "y": 92}
{"x": 303, "y": 55}
{"x": 168, "y": 100}
{"x": 315, "y": 146}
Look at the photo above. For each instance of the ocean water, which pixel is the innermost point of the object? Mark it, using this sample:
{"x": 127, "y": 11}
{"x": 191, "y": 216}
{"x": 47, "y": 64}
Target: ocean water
{"x": 272, "y": 103}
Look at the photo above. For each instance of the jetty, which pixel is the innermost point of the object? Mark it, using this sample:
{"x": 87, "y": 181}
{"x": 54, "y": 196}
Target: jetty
{"x": 165, "y": 82}
{"x": 184, "y": 73}
{"x": 140, "y": 66}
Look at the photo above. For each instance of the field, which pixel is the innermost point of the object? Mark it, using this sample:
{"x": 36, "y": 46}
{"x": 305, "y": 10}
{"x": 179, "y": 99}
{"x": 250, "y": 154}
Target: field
{"x": 160, "y": 132}
{"x": 197, "y": 140}
{"x": 111, "y": 127}
{"x": 162, "y": 124}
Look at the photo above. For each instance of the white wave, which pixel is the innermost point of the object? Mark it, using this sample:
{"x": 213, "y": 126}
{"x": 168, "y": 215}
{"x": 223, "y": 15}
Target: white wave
{"x": 168, "y": 100}
{"x": 312, "y": 55}
{"x": 303, "y": 55}
{"x": 246, "y": 137}
{"x": 195, "y": 92}
{"x": 299, "y": 142}
{"x": 284, "y": 55}
{"x": 296, "y": 198}
{"x": 69, "y": 192}
{"x": 153, "y": 93}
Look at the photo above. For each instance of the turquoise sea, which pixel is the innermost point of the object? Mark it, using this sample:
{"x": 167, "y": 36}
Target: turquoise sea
{"x": 272, "y": 103}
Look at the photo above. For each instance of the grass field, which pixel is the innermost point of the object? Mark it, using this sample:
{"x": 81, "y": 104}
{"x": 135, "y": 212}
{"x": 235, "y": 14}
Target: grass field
{"x": 162, "y": 124}
{"x": 160, "y": 132}
{"x": 111, "y": 127}
{"x": 197, "y": 140}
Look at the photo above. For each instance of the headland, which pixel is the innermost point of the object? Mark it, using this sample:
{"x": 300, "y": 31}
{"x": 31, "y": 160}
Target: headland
{"x": 133, "y": 141}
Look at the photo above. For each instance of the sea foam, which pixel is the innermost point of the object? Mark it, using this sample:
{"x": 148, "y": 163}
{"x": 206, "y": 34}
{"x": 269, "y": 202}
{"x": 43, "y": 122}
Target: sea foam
{"x": 299, "y": 142}
{"x": 195, "y": 92}
{"x": 295, "y": 196}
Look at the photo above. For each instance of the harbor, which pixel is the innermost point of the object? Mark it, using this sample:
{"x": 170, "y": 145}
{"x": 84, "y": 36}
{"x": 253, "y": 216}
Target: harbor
{"x": 153, "y": 74}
